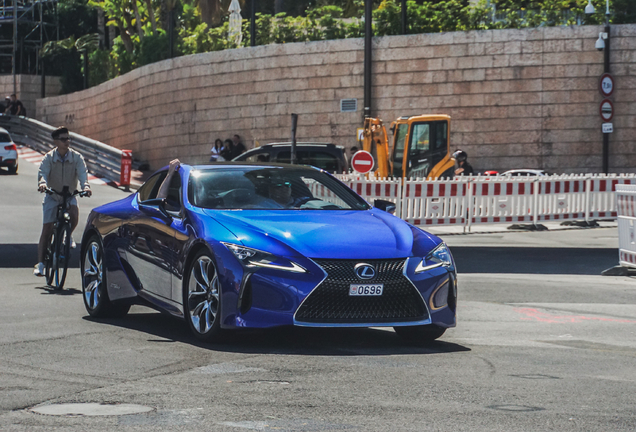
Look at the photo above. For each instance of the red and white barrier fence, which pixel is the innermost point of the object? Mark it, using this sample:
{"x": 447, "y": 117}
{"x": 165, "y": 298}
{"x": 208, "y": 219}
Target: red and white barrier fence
{"x": 626, "y": 214}
{"x": 477, "y": 200}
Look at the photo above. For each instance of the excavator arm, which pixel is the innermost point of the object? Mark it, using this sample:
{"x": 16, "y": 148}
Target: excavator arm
{"x": 375, "y": 141}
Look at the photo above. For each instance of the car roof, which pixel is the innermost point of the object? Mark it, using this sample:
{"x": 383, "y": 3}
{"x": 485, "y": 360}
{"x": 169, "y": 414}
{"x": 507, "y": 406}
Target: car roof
{"x": 228, "y": 164}
{"x": 524, "y": 170}
{"x": 4, "y": 130}
{"x": 299, "y": 144}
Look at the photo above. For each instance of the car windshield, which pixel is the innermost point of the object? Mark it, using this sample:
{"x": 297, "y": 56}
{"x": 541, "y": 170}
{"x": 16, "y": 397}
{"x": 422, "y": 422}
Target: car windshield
{"x": 4, "y": 137}
{"x": 269, "y": 188}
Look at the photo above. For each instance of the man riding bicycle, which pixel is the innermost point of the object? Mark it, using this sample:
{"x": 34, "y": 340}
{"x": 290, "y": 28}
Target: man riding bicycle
{"x": 60, "y": 167}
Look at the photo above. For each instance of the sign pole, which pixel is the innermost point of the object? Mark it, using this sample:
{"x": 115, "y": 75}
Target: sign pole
{"x": 292, "y": 158}
{"x": 606, "y": 67}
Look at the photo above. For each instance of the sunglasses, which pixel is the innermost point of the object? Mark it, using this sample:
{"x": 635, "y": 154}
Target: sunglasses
{"x": 63, "y": 139}
{"x": 282, "y": 184}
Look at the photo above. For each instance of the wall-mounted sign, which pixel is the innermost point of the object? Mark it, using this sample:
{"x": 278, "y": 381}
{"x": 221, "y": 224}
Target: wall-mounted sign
{"x": 607, "y": 85}
{"x": 608, "y": 128}
{"x": 607, "y": 110}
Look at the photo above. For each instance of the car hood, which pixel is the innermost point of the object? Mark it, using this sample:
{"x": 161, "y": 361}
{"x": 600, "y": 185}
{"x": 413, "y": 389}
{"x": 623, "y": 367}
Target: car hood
{"x": 371, "y": 234}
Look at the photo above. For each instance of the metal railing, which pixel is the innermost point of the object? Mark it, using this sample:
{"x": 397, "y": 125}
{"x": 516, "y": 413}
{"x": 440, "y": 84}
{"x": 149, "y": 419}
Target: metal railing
{"x": 101, "y": 159}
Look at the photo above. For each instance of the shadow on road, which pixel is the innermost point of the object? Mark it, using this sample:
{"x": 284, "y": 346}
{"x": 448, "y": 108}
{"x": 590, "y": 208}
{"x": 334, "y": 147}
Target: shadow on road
{"x": 26, "y": 255}
{"x": 47, "y": 290}
{"x": 534, "y": 260}
{"x": 469, "y": 259}
{"x": 285, "y": 340}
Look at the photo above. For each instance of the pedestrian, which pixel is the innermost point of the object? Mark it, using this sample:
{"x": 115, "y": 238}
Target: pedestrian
{"x": 228, "y": 149}
{"x": 15, "y": 106}
{"x": 239, "y": 147}
{"x": 60, "y": 167}
{"x": 353, "y": 150}
{"x": 217, "y": 151}
{"x": 462, "y": 167}
{"x": 4, "y": 105}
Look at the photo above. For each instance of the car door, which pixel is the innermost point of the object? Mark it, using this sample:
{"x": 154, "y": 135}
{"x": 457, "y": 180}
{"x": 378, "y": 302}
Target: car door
{"x": 151, "y": 241}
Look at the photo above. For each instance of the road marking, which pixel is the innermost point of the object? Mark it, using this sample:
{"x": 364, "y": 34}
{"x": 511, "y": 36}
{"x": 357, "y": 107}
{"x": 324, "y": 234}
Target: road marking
{"x": 536, "y": 315}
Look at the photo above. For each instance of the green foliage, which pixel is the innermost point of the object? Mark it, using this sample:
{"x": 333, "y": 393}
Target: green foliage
{"x": 153, "y": 48}
{"x": 100, "y": 67}
{"x": 304, "y": 20}
{"x": 122, "y": 60}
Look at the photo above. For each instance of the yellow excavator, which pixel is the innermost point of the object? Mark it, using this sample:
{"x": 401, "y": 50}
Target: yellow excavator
{"x": 420, "y": 146}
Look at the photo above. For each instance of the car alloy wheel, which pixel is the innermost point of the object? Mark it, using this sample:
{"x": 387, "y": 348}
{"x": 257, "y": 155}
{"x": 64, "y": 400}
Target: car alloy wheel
{"x": 202, "y": 298}
{"x": 94, "y": 291}
{"x": 92, "y": 276}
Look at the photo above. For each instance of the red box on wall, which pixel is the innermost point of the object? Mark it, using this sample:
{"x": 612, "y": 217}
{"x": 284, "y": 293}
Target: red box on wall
{"x": 126, "y": 167}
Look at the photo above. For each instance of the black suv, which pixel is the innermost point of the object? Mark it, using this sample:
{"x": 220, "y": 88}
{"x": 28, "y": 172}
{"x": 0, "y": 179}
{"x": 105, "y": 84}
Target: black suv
{"x": 329, "y": 157}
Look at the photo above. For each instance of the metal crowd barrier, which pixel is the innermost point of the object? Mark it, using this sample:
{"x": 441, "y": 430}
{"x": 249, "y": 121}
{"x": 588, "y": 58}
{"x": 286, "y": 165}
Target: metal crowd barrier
{"x": 626, "y": 209}
{"x": 467, "y": 201}
{"x": 101, "y": 159}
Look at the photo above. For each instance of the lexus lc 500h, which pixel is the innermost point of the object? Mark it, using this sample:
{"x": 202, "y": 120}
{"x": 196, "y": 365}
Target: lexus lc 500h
{"x": 237, "y": 245}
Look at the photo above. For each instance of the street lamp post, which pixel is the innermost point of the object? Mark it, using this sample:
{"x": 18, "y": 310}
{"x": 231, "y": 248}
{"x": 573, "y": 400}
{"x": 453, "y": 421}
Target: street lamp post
{"x": 368, "y": 40}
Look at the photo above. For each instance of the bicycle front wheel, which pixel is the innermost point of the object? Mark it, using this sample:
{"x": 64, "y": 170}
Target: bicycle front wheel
{"x": 63, "y": 255}
{"x": 50, "y": 260}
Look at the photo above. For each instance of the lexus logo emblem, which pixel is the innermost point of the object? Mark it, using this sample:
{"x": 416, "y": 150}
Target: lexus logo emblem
{"x": 364, "y": 271}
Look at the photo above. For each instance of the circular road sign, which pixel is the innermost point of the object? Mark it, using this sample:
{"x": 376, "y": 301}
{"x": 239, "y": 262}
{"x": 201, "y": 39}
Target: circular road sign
{"x": 607, "y": 84}
{"x": 607, "y": 110}
{"x": 362, "y": 162}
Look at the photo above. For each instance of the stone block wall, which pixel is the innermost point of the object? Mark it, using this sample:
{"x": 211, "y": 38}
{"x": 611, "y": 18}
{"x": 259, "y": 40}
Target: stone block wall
{"x": 518, "y": 98}
{"x": 28, "y": 89}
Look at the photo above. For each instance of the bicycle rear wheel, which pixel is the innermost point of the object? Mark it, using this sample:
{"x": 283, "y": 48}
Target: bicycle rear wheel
{"x": 63, "y": 255}
{"x": 50, "y": 260}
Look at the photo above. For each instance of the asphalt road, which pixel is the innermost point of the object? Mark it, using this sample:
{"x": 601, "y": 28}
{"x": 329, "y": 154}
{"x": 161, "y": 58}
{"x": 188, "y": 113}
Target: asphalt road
{"x": 543, "y": 342}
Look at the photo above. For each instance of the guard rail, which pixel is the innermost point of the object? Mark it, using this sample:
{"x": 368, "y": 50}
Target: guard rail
{"x": 101, "y": 159}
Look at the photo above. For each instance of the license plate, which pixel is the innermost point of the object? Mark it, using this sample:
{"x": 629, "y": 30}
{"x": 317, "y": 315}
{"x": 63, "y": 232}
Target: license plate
{"x": 366, "y": 289}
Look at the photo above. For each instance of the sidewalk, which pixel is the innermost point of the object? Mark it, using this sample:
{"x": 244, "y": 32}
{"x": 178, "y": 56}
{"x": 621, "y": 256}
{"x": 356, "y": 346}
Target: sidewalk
{"x": 504, "y": 227}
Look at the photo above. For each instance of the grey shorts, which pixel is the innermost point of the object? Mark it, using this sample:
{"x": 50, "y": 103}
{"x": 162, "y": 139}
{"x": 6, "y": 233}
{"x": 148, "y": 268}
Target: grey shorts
{"x": 49, "y": 207}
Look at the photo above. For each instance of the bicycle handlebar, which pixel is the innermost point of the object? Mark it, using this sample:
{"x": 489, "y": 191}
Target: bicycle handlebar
{"x": 50, "y": 191}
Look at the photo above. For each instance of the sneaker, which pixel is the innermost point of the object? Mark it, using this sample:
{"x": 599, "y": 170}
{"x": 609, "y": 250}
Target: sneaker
{"x": 39, "y": 270}
{"x": 73, "y": 244}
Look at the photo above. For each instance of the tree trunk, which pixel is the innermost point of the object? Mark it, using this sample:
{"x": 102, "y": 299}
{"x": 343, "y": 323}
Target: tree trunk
{"x": 151, "y": 17}
{"x": 101, "y": 27}
{"x": 138, "y": 20}
{"x": 125, "y": 37}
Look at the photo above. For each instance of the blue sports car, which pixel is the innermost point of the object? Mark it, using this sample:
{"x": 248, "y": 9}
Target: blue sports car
{"x": 237, "y": 245}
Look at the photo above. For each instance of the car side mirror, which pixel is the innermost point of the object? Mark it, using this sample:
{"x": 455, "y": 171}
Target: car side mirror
{"x": 156, "y": 207}
{"x": 387, "y": 206}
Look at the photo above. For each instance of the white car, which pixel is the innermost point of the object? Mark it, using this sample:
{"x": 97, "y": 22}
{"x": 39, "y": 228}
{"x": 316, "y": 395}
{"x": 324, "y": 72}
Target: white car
{"x": 8, "y": 152}
{"x": 524, "y": 172}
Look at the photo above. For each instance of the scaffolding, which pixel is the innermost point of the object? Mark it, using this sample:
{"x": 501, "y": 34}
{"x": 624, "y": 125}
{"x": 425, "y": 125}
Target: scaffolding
{"x": 30, "y": 31}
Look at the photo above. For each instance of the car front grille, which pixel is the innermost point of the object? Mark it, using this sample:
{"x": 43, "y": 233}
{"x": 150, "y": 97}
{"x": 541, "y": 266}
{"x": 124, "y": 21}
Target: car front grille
{"x": 331, "y": 303}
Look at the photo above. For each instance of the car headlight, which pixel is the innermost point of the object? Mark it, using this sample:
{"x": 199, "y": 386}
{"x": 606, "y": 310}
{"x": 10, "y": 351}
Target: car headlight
{"x": 438, "y": 257}
{"x": 252, "y": 258}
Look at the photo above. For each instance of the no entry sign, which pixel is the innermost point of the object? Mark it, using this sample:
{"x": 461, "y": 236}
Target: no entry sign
{"x": 607, "y": 110}
{"x": 362, "y": 162}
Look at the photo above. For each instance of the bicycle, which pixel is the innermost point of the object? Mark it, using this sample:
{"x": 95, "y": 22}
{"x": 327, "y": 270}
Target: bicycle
{"x": 58, "y": 252}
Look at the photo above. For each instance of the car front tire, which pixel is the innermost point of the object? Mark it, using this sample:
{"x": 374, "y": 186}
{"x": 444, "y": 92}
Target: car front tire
{"x": 94, "y": 291}
{"x": 202, "y": 298}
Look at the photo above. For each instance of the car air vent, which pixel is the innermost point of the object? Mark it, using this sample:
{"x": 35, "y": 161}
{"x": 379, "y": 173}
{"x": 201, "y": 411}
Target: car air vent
{"x": 348, "y": 105}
